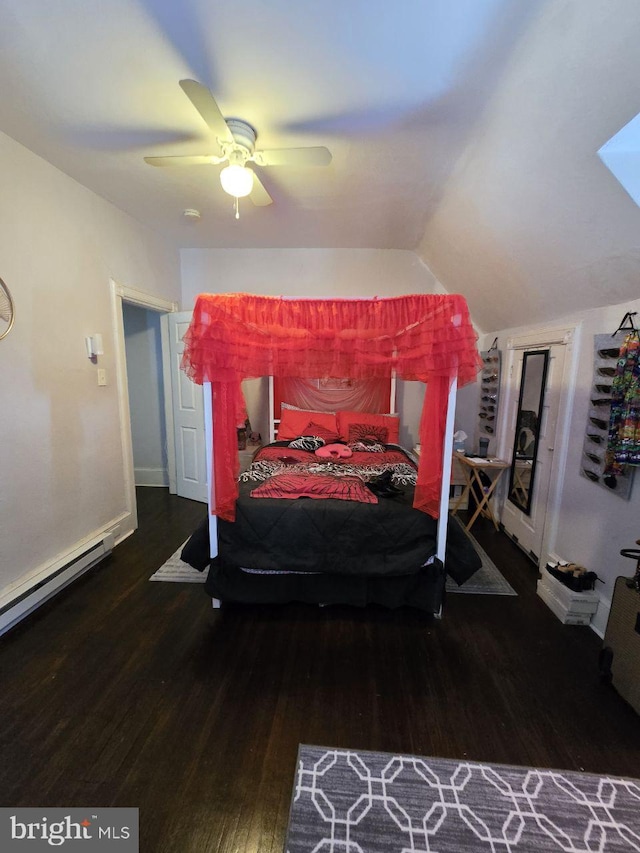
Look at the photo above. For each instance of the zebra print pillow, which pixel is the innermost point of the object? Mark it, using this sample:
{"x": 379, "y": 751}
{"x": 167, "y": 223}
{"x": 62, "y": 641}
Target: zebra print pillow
{"x": 306, "y": 442}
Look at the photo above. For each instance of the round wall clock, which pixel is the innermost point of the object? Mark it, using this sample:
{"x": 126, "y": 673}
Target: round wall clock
{"x": 7, "y": 311}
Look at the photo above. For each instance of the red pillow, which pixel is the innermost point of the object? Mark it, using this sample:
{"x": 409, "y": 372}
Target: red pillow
{"x": 368, "y": 432}
{"x": 316, "y": 486}
{"x": 391, "y": 422}
{"x": 293, "y": 422}
{"x": 321, "y": 432}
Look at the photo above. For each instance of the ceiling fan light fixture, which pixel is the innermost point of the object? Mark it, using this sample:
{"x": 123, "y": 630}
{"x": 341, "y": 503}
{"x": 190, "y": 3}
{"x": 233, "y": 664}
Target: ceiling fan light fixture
{"x": 237, "y": 180}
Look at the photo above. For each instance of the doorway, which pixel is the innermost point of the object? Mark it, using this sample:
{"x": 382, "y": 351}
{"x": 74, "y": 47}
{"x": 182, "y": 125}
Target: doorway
{"x": 121, "y": 296}
{"x": 534, "y": 427}
{"x": 143, "y": 350}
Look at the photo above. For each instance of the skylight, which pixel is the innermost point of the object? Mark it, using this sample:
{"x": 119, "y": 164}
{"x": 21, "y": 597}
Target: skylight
{"x": 621, "y": 155}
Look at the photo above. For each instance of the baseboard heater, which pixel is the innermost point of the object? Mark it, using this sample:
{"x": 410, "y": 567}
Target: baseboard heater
{"x": 35, "y": 594}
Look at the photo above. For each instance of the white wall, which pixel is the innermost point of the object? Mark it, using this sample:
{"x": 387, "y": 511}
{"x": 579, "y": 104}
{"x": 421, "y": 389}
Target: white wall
{"x": 591, "y": 524}
{"x": 313, "y": 274}
{"x": 303, "y": 273}
{"x": 60, "y": 445}
{"x": 146, "y": 395}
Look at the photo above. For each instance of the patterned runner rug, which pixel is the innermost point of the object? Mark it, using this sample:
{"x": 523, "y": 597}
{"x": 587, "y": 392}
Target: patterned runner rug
{"x": 374, "y": 802}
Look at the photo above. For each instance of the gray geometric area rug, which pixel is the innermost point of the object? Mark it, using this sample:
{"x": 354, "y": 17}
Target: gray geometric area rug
{"x": 488, "y": 580}
{"x": 374, "y": 802}
{"x": 177, "y": 571}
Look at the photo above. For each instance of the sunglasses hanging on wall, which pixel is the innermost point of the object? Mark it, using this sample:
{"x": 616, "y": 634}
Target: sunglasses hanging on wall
{"x": 609, "y": 353}
{"x": 599, "y": 422}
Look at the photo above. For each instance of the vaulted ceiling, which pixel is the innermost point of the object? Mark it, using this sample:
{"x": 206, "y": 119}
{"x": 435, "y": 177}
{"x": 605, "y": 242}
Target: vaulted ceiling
{"x": 465, "y": 130}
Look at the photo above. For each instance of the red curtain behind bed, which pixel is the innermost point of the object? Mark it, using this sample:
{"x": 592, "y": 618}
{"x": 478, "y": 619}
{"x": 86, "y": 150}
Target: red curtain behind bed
{"x": 236, "y": 336}
{"x": 360, "y": 395}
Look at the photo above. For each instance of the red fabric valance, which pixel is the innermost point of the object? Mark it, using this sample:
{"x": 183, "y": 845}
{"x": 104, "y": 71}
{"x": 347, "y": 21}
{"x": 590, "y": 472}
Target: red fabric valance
{"x": 236, "y": 336}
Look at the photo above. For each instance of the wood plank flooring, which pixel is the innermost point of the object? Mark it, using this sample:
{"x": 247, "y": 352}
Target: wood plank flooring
{"x": 125, "y": 692}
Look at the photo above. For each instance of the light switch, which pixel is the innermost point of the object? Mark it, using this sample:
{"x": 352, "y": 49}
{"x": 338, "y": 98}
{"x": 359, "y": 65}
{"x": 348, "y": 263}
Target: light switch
{"x": 102, "y": 376}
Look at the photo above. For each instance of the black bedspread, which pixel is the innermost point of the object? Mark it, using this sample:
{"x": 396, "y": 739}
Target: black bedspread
{"x": 332, "y": 550}
{"x": 462, "y": 561}
{"x": 329, "y": 536}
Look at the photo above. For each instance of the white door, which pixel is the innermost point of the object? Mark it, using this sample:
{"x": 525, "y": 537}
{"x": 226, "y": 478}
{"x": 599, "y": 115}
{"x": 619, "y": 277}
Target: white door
{"x": 188, "y": 417}
{"x": 528, "y": 528}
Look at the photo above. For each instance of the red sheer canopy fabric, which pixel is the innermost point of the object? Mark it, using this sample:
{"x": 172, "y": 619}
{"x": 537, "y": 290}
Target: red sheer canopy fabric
{"x": 236, "y": 336}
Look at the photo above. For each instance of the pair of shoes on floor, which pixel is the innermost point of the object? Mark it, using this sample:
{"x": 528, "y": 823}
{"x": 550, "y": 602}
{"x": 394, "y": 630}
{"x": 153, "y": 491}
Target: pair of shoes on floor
{"x": 572, "y": 575}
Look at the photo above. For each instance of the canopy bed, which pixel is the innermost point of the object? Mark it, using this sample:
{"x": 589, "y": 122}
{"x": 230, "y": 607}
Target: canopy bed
{"x": 351, "y": 517}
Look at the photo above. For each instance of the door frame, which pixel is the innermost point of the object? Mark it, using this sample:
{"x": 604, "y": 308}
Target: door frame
{"x": 565, "y": 335}
{"x": 168, "y": 403}
{"x": 119, "y": 295}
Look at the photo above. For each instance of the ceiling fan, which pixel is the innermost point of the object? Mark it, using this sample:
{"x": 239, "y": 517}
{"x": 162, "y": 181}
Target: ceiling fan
{"x": 236, "y": 146}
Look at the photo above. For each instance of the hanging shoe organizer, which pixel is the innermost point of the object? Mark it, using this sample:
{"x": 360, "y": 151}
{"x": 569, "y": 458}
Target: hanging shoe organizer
{"x": 606, "y": 348}
{"x": 489, "y": 391}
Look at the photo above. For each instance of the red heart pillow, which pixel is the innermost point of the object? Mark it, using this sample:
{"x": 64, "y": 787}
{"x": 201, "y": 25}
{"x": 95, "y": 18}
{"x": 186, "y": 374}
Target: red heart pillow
{"x": 334, "y": 451}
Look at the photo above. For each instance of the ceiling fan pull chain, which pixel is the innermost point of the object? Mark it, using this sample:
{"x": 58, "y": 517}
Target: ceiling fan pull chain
{"x": 237, "y": 207}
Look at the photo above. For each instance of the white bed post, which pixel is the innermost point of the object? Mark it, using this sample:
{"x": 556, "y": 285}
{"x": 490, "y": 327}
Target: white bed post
{"x": 447, "y": 453}
{"x": 392, "y": 393}
{"x": 208, "y": 441}
{"x": 272, "y": 414}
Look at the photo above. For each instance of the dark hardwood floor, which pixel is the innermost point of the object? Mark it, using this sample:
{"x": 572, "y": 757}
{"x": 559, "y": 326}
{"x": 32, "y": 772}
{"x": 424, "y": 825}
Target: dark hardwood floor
{"x": 125, "y": 692}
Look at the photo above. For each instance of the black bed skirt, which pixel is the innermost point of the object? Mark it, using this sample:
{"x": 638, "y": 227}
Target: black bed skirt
{"x": 424, "y": 590}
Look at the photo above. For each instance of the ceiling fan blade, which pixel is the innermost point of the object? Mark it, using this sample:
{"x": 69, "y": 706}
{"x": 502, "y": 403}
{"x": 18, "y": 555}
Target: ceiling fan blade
{"x": 185, "y": 160}
{"x": 259, "y": 196}
{"x": 313, "y": 156}
{"x": 205, "y": 103}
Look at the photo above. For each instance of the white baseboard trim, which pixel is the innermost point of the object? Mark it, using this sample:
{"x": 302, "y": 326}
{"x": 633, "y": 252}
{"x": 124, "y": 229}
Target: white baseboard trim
{"x": 29, "y": 592}
{"x": 151, "y": 477}
{"x": 601, "y": 617}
